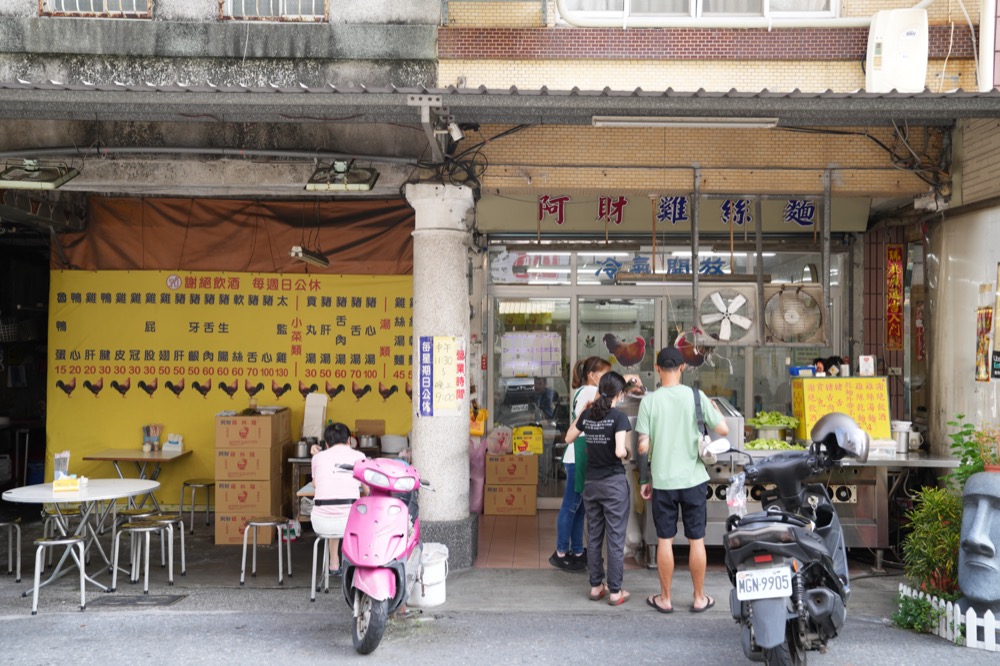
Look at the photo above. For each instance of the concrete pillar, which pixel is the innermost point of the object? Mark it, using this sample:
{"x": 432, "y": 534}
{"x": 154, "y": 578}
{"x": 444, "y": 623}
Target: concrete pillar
{"x": 441, "y": 307}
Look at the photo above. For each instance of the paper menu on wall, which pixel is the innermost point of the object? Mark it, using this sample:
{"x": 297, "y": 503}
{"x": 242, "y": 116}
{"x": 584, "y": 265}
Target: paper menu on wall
{"x": 531, "y": 354}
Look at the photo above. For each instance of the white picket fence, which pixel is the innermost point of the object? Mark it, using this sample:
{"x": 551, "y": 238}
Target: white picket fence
{"x": 950, "y": 625}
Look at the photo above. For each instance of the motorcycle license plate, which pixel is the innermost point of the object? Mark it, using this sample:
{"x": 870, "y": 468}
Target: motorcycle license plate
{"x": 763, "y": 583}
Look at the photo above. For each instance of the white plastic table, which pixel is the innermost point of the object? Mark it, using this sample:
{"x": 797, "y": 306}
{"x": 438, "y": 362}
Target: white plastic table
{"x": 88, "y": 497}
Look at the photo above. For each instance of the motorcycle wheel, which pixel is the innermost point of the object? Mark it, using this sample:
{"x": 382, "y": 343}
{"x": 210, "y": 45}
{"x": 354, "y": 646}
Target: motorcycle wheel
{"x": 370, "y": 619}
{"x": 790, "y": 653}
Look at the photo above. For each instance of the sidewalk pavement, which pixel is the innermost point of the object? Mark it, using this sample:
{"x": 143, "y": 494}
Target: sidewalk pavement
{"x": 213, "y": 570}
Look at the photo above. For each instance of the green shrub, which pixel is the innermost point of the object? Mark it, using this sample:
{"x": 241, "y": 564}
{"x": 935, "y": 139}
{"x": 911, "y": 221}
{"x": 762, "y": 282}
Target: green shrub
{"x": 930, "y": 550}
{"x": 964, "y": 446}
{"x": 916, "y": 614}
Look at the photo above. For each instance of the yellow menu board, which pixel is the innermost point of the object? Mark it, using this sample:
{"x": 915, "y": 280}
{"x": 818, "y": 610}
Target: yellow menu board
{"x": 864, "y": 399}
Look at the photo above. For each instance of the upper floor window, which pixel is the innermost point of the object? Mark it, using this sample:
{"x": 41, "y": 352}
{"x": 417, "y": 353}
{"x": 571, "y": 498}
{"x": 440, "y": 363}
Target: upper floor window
{"x": 101, "y": 8}
{"x": 274, "y": 10}
{"x": 702, "y": 8}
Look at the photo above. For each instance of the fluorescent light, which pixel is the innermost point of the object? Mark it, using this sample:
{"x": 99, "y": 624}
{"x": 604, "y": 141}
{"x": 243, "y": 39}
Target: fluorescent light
{"x": 35, "y": 175}
{"x": 681, "y": 121}
{"x": 550, "y": 269}
{"x": 342, "y": 176}
{"x": 309, "y": 257}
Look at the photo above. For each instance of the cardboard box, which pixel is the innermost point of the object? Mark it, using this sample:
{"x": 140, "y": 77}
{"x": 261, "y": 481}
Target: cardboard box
{"x": 256, "y": 498}
{"x": 510, "y": 500}
{"x": 369, "y": 427}
{"x": 512, "y": 470}
{"x": 254, "y": 431}
{"x": 229, "y": 529}
{"x": 248, "y": 464}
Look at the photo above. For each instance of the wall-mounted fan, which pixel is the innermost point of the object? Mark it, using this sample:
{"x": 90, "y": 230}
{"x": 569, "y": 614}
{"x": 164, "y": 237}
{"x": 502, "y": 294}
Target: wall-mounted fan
{"x": 728, "y": 315}
{"x": 794, "y": 314}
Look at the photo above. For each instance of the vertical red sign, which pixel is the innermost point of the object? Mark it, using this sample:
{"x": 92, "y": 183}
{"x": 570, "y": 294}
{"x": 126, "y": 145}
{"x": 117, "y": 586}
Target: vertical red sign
{"x": 894, "y": 297}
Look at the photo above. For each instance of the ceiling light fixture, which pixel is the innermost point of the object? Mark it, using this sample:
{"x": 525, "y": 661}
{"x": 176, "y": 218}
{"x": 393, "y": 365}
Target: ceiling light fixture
{"x": 35, "y": 175}
{"x": 693, "y": 122}
{"x": 309, "y": 256}
{"x": 342, "y": 176}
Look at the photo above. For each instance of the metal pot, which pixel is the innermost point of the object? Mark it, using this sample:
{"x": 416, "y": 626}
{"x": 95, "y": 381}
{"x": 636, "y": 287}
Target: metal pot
{"x": 367, "y": 441}
{"x": 302, "y": 449}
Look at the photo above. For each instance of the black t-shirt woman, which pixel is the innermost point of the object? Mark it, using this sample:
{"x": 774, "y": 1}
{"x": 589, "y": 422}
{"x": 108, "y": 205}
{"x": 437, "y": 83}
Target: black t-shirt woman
{"x": 606, "y": 492}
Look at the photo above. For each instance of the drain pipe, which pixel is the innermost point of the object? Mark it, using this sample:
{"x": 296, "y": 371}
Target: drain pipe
{"x": 987, "y": 45}
{"x": 574, "y": 18}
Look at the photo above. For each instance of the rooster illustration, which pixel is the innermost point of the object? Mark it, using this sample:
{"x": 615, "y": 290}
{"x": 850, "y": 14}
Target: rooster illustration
{"x": 122, "y": 387}
{"x": 203, "y": 389}
{"x": 589, "y": 341}
{"x": 409, "y": 390}
{"x": 251, "y": 389}
{"x": 306, "y": 389}
{"x": 67, "y": 387}
{"x": 385, "y": 392}
{"x": 231, "y": 389}
{"x": 628, "y": 354}
{"x": 177, "y": 388}
{"x": 280, "y": 389}
{"x": 333, "y": 391}
{"x": 360, "y": 391}
{"x": 150, "y": 387}
{"x": 94, "y": 387}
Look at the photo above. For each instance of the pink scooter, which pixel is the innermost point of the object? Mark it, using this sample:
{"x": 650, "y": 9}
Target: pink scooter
{"x": 381, "y": 547}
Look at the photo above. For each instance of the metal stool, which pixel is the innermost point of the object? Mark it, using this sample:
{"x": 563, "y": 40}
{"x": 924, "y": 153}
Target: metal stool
{"x": 277, "y": 522}
{"x": 12, "y": 524}
{"x": 140, "y": 528}
{"x": 46, "y": 543}
{"x": 49, "y": 518}
{"x": 194, "y": 485}
{"x": 175, "y": 521}
{"x": 129, "y": 515}
{"x": 325, "y": 564}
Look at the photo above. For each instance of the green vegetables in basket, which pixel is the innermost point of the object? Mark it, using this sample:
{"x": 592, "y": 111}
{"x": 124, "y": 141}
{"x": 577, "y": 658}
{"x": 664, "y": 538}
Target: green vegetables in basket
{"x": 771, "y": 445}
{"x": 773, "y": 420}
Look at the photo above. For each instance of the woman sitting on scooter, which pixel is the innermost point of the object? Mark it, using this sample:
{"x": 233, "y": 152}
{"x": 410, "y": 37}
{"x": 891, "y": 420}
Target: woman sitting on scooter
{"x": 336, "y": 489}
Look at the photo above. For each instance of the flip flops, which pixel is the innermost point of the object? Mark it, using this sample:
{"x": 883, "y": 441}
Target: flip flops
{"x": 600, "y": 595}
{"x": 651, "y": 602}
{"x": 622, "y": 598}
{"x": 709, "y": 604}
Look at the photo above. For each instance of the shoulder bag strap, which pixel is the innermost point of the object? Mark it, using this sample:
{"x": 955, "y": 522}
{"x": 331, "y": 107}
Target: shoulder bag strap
{"x": 702, "y": 430}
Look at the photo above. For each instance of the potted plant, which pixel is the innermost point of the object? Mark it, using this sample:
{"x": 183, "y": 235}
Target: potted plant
{"x": 930, "y": 550}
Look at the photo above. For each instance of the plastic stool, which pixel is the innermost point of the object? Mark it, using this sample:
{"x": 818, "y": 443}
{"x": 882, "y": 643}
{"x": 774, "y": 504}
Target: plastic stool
{"x": 325, "y": 564}
{"x": 144, "y": 528}
{"x": 194, "y": 485}
{"x": 12, "y": 524}
{"x": 46, "y": 543}
{"x": 175, "y": 521}
{"x": 277, "y": 522}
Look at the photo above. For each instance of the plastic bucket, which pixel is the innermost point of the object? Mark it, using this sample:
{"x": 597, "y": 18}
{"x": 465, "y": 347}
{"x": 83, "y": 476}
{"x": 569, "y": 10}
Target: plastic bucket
{"x": 429, "y": 588}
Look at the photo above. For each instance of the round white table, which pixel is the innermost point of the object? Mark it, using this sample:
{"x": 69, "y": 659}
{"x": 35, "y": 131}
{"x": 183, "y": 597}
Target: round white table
{"x": 88, "y": 497}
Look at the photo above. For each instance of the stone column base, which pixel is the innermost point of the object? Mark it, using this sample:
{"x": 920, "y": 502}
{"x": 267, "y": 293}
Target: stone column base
{"x": 461, "y": 537}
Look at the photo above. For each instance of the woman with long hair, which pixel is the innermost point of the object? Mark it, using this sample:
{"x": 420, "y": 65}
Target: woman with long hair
{"x": 570, "y": 553}
{"x": 606, "y": 493}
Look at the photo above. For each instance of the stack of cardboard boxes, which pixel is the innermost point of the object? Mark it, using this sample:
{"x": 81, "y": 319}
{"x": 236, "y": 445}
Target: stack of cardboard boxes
{"x": 511, "y": 485}
{"x": 249, "y": 471}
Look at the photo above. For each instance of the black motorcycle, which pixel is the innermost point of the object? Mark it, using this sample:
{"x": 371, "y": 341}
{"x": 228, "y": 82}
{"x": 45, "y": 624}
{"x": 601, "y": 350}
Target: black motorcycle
{"x": 788, "y": 563}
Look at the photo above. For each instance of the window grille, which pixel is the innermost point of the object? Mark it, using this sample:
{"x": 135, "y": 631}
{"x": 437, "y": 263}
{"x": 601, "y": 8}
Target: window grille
{"x": 98, "y": 8}
{"x": 274, "y": 10}
{"x": 705, "y": 8}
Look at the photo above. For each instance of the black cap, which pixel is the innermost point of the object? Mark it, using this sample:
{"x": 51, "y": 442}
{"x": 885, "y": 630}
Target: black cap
{"x": 669, "y": 357}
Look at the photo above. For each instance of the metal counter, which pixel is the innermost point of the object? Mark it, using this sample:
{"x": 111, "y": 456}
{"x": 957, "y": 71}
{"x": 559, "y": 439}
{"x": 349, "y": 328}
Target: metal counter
{"x": 860, "y": 491}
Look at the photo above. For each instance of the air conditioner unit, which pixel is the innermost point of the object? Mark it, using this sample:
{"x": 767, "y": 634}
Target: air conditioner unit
{"x": 897, "y": 51}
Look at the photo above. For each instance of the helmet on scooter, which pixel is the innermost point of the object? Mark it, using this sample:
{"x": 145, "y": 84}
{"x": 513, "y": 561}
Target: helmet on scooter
{"x": 841, "y": 436}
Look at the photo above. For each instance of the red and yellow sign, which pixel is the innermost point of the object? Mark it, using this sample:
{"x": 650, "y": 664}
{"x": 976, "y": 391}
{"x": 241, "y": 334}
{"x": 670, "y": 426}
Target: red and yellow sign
{"x": 132, "y": 348}
{"x": 894, "y": 297}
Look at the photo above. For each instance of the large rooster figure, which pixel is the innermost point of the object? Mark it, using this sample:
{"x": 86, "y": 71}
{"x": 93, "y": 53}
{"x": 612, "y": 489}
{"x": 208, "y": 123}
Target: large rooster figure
{"x": 627, "y": 354}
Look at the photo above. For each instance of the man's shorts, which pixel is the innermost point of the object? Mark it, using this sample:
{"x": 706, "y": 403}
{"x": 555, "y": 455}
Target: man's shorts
{"x": 692, "y": 503}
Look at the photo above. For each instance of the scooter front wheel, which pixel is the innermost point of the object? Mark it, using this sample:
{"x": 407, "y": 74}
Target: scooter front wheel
{"x": 370, "y": 618}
